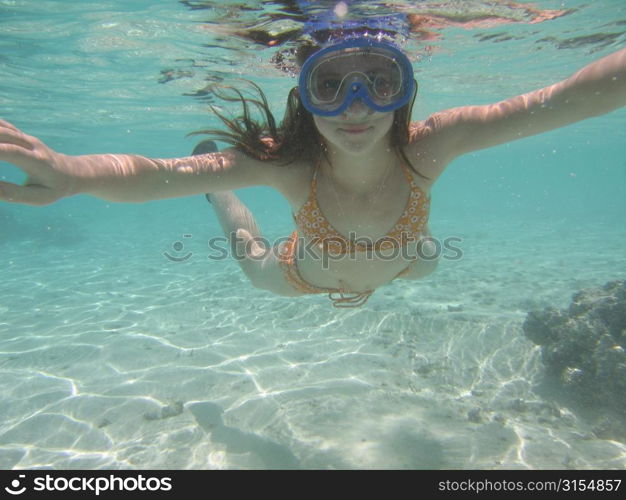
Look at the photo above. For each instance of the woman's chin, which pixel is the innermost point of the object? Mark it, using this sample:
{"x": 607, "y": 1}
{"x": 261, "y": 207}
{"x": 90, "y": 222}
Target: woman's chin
{"x": 358, "y": 143}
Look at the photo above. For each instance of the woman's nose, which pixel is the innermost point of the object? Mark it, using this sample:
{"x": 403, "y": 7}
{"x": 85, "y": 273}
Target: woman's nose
{"x": 358, "y": 107}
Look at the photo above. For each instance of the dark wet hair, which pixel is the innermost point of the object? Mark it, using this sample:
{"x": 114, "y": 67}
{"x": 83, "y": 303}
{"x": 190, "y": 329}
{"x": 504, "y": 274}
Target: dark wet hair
{"x": 255, "y": 131}
{"x": 296, "y": 138}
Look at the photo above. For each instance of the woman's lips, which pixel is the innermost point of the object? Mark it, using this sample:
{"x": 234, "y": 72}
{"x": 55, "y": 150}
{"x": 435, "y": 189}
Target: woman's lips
{"x": 355, "y": 129}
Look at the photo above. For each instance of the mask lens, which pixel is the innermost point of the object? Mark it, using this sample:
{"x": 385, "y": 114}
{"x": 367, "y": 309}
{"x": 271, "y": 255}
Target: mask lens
{"x": 331, "y": 78}
{"x": 387, "y": 86}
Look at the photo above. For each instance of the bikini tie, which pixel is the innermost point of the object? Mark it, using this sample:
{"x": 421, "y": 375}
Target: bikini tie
{"x": 343, "y": 299}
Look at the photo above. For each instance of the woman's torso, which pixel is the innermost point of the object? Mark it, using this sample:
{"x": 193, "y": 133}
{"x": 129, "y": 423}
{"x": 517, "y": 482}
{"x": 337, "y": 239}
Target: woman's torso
{"x": 370, "y": 217}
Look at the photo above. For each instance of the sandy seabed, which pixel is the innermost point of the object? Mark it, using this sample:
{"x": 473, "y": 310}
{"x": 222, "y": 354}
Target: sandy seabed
{"x": 118, "y": 358}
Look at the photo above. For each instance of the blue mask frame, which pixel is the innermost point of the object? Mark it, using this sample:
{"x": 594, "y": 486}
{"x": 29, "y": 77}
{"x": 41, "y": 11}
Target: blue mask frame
{"x": 358, "y": 90}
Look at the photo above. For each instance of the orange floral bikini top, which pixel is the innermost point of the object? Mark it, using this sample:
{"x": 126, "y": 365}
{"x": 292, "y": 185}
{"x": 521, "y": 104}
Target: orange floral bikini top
{"x": 313, "y": 223}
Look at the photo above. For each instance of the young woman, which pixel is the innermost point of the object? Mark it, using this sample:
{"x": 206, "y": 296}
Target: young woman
{"x": 355, "y": 171}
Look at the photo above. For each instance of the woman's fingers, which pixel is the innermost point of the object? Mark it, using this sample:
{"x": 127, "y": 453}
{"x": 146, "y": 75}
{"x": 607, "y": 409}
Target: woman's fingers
{"x": 8, "y": 136}
{"x": 27, "y": 195}
{"x": 5, "y": 124}
{"x": 28, "y": 153}
{"x": 24, "y": 158}
{"x": 12, "y": 135}
{"x": 18, "y": 148}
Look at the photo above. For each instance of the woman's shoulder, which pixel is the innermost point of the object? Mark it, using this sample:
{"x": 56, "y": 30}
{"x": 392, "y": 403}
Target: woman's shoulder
{"x": 430, "y": 148}
{"x": 292, "y": 179}
{"x": 418, "y": 130}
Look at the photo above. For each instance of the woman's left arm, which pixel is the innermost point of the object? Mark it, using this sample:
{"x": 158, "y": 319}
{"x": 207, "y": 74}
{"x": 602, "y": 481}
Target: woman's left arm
{"x": 596, "y": 89}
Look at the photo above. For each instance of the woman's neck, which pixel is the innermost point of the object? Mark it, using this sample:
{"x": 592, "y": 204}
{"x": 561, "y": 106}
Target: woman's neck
{"x": 358, "y": 173}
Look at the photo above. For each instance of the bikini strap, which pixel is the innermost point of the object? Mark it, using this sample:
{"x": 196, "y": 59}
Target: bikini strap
{"x": 314, "y": 178}
{"x": 407, "y": 172}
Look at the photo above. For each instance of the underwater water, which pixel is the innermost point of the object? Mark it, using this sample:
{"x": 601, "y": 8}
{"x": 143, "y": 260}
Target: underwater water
{"x": 113, "y": 355}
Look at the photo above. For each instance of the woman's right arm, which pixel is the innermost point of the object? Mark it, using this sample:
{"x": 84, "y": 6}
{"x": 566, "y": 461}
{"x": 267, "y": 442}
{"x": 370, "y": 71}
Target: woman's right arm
{"x": 119, "y": 177}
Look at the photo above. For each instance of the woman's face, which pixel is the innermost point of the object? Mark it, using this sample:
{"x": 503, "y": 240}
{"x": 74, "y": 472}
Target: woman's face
{"x": 356, "y": 130}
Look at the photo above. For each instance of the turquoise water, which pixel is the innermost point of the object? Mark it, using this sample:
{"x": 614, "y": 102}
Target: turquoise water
{"x": 113, "y": 356}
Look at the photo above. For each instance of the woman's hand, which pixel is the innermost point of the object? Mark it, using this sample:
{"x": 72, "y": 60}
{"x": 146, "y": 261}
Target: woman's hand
{"x": 123, "y": 177}
{"x": 47, "y": 180}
